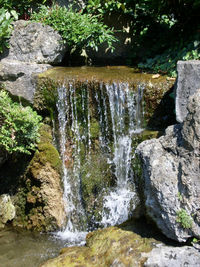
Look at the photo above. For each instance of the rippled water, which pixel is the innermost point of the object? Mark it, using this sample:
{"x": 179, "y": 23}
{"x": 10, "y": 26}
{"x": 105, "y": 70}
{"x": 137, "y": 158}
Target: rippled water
{"x": 19, "y": 248}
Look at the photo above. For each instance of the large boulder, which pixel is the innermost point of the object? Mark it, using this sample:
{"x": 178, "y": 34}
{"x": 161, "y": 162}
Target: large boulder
{"x": 172, "y": 256}
{"x": 35, "y": 43}
{"x": 171, "y": 176}
{"x": 19, "y": 78}
{"x": 109, "y": 247}
{"x": 7, "y": 210}
{"x": 187, "y": 83}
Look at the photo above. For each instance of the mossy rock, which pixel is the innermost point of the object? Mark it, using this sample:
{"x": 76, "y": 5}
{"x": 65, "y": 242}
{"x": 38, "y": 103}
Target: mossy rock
{"x": 41, "y": 189}
{"x": 96, "y": 177}
{"x": 113, "y": 246}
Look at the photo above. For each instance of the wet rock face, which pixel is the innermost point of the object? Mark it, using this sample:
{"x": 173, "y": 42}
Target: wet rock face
{"x": 187, "y": 83}
{"x": 171, "y": 176}
{"x": 35, "y": 43}
{"x": 173, "y": 257}
{"x": 40, "y": 199}
{"x": 19, "y": 78}
{"x": 7, "y": 210}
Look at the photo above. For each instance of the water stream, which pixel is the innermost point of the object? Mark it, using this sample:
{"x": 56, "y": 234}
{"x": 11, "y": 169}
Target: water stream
{"x": 119, "y": 116}
{"x": 99, "y": 113}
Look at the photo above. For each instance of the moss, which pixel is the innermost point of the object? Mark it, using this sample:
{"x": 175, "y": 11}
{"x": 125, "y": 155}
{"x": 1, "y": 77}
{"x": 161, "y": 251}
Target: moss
{"x": 94, "y": 129}
{"x": 96, "y": 177}
{"x": 105, "y": 246}
{"x": 48, "y": 153}
{"x": 30, "y": 201}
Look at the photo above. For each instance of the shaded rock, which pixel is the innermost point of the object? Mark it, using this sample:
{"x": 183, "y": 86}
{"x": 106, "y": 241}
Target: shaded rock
{"x": 187, "y": 83}
{"x": 7, "y": 210}
{"x": 173, "y": 257}
{"x": 171, "y": 176}
{"x": 113, "y": 246}
{"x": 19, "y": 78}
{"x": 77, "y": 4}
{"x": 35, "y": 43}
{"x": 3, "y": 156}
{"x": 40, "y": 198}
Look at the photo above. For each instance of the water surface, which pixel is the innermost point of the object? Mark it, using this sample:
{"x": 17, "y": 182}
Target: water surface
{"x": 20, "y": 248}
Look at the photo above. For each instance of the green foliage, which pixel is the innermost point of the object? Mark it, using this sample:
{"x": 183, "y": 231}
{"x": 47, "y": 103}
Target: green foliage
{"x": 166, "y": 62}
{"x": 6, "y": 18}
{"x": 22, "y": 6}
{"x": 19, "y": 126}
{"x": 105, "y": 6}
{"x": 184, "y": 219}
{"x": 78, "y": 30}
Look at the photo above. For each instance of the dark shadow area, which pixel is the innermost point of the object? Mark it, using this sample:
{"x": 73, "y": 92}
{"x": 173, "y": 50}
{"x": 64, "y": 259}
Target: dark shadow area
{"x": 164, "y": 115}
{"x": 146, "y": 228}
{"x": 10, "y": 173}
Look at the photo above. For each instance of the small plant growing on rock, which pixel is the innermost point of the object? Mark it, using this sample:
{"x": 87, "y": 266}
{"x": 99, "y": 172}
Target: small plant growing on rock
{"x": 184, "y": 219}
{"x": 19, "y": 126}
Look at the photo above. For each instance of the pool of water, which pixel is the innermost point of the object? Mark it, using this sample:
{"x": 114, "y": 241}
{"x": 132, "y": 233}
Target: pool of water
{"x": 19, "y": 248}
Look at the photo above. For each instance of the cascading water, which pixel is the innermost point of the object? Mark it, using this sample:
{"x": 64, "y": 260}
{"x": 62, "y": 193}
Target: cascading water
{"x": 72, "y": 232}
{"x": 118, "y": 112}
{"x": 122, "y": 101}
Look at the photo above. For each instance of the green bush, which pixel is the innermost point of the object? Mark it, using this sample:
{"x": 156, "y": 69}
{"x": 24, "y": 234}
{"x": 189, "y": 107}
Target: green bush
{"x": 166, "y": 62}
{"x": 78, "y": 30}
{"x": 22, "y": 6}
{"x": 6, "y": 18}
{"x": 19, "y": 126}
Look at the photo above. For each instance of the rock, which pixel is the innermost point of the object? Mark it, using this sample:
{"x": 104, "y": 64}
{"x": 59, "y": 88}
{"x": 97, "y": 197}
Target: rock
{"x": 19, "y": 78}
{"x": 112, "y": 246}
{"x": 76, "y": 4}
{"x": 164, "y": 256}
{"x": 35, "y": 43}
{"x": 7, "y": 210}
{"x": 187, "y": 83}
{"x": 171, "y": 176}
{"x": 40, "y": 200}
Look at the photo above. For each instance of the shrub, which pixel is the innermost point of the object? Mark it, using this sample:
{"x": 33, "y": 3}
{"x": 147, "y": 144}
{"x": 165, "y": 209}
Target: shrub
{"x": 184, "y": 219}
{"x": 6, "y": 18}
{"x": 19, "y": 126}
{"x": 78, "y": 30}
{"x": 22, "y": 7}
{"x": 166, "y": 62}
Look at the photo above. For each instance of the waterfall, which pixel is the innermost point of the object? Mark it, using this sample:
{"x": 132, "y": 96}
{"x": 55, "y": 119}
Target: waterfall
{"x": 119, "y": 113}
{"x": 74, "y": 211}
{"x": 122, "y": 101}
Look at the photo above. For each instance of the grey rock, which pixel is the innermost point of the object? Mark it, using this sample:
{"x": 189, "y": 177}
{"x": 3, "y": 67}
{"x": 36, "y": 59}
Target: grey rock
{"x": 7, "y": 210}
{"x": 19, "y": 78}
{"x": 79, "y": 4}
{"x": 165, "y": 256}
{"x": 171, "y": 167}
{"x": 187, "y": 83}
{"x": 35, "y": 43}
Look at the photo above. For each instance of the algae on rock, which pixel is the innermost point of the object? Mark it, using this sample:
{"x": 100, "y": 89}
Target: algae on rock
{"x": 40, "y": 199}
{"x": 112, "y": 246}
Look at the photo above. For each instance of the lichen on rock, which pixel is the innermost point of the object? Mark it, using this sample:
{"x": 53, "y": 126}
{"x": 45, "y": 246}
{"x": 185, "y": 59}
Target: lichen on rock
{"x": 7, "y": 210}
